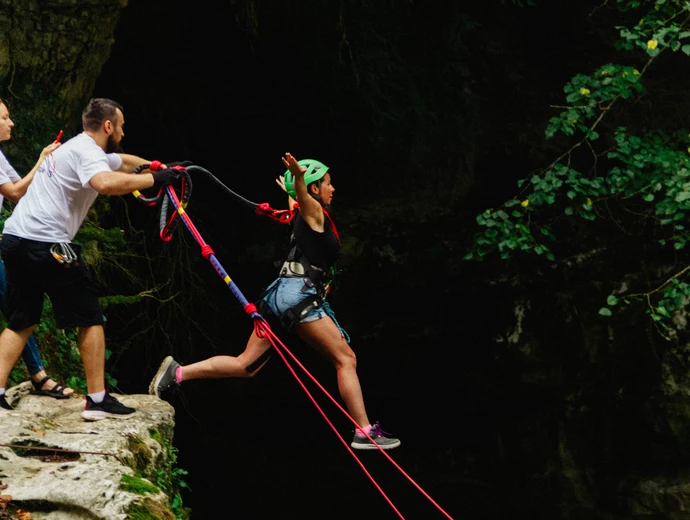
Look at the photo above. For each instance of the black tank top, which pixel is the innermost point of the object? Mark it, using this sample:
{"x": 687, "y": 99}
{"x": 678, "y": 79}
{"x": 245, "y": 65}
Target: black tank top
{"x": 320, "y": 249}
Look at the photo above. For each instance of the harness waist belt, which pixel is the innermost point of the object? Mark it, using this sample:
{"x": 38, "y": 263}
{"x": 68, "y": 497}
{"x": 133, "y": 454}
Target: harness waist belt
{"x": 290, "y": 269}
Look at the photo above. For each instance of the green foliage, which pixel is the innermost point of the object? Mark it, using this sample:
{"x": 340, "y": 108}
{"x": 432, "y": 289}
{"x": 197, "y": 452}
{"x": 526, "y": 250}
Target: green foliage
{"x": 137, "y": 485}
{"x": 659, "y": 29}
{"x": 590, "y": 96}
{"x": 118, "y": 299}
{"x": 147, "y": 510}
{"x": 638, "y": 164}
{"x": 35, "y": 126}
{"x": 508, "y": 232}
{"x": 646, "y": 173}
{"x": 665, "y": 305}
{"x": 140, "y": 451}
{"x": 170, "y": 479}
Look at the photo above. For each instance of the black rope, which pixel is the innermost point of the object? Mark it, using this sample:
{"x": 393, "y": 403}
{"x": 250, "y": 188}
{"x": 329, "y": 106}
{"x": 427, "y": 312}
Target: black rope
{"x": 251, "y": 205}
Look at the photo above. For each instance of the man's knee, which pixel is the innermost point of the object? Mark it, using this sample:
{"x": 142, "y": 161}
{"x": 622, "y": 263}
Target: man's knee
{"x": 23, "y": 332}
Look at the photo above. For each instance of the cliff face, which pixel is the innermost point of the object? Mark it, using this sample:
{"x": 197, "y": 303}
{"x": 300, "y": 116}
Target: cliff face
{"x": 56, "y": 466}
{"x": 576, "y": 416}
{"x": 51, "y": 54}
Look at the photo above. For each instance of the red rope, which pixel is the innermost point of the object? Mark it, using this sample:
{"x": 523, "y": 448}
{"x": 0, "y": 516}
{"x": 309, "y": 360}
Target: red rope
{"x": 282, "y": 215}
{"x": 335, "y": 231}
{"x": 192, "y": 229}
{"x": 286, "y": 215}
{"x": 264, "y": 330}
{"x": 155, "y": 166}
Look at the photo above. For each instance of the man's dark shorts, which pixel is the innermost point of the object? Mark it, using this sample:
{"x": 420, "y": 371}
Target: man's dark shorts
{"x": 32, "y": 271}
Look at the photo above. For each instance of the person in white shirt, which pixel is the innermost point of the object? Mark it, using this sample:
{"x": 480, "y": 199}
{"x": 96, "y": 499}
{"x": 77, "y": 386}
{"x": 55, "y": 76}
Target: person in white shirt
{"x": 13, "y": 187}
{"x": 40, "y": 257}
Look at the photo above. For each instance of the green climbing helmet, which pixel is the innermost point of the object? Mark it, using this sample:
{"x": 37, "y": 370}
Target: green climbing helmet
{"x": 315, "y": 170}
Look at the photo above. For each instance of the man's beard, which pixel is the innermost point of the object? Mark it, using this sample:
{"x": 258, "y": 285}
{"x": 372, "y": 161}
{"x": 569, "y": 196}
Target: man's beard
{"x": 111, "y": 146}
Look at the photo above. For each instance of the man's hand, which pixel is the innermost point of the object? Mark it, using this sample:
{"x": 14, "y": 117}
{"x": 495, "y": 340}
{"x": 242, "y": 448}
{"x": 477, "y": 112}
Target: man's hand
{"x": 166, "y": 177}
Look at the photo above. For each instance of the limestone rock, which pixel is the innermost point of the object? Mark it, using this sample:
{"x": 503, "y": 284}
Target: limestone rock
{"x": 85, "y": 479}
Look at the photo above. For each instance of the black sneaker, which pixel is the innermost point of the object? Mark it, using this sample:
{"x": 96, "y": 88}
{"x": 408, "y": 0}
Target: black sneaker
{"x": 165, "y": 377}
{"x": 109, "y": 407}
{"x": 4, "y": 404}
{"x": 381, "y": 438}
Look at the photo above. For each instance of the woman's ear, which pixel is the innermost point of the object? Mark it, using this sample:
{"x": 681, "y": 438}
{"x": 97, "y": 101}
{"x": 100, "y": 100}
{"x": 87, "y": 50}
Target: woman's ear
{"x": 314, "y": 188}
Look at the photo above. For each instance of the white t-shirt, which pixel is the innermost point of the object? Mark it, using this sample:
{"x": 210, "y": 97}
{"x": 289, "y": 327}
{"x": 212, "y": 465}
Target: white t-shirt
{"x": 7, "y": 174}
{"x": 59, "y": 197}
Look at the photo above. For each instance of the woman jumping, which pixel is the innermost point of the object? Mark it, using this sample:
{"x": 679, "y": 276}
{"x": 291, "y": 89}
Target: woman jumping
{"x": 302, "y": 280}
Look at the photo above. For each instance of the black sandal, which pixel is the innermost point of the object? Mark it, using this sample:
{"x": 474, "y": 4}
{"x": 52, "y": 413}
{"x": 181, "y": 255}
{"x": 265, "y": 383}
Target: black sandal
{"x": 57, "y": 392}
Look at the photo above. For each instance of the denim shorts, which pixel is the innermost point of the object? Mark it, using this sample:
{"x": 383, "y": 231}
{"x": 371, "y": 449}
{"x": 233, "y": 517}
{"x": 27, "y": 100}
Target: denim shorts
{"x": 285, "y": 293}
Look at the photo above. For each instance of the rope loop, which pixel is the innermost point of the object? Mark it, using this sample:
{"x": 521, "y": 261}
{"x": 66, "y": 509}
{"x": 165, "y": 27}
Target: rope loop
{"x": 149, "y": 201}
{"x": 283, "y": 215}
{"x": 261, "y": 328}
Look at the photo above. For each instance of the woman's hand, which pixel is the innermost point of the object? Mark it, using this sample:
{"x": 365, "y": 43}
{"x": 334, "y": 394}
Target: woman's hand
{"x": 48, "y": 150}
{"x": 291, "y": 163}
{"x": 280, "y": 181}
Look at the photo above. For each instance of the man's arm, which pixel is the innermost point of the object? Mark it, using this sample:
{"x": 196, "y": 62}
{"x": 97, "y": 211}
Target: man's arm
{"x": 119, "y": 183}
{"x": 131, "y": 162}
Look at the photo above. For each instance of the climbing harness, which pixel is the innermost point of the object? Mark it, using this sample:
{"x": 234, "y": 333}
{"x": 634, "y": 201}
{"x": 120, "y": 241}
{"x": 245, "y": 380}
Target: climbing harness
{"x": 297, "y": 264}
{"x": 167, "y": 196}
{"x": 292, "y": 316}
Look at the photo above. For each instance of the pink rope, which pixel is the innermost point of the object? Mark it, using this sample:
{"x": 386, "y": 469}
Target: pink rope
{"x": 263, "y": 330}
{"x": 274, "y": 341}
{"x": 268, "y": 332}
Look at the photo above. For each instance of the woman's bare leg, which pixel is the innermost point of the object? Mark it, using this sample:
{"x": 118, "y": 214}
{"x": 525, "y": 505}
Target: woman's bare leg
{"x": 228, "y": 366}
{"x": 325, "y": 336}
